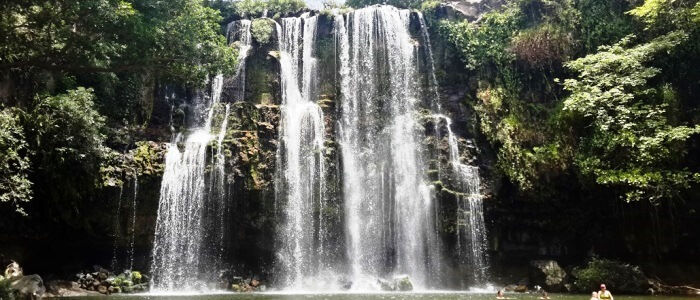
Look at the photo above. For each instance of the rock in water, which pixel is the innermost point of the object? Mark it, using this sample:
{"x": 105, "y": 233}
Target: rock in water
{"x": 403, "y": 284}
{"x": 28, "y": 287}
{"x": 385, "y": 285}
{"x": 549, "y": 274}
{"x": 103, "y": 289}
{"x": 62, "y": 287}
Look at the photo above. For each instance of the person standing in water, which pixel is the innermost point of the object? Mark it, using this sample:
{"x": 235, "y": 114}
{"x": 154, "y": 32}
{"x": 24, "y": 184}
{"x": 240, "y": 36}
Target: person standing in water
{"x": 604, "y": 294}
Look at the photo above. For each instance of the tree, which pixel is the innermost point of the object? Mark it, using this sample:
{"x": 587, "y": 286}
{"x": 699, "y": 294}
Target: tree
{"x": 178, "y": 39}
{"x": 15, "y": 187}
{"x": 632, "y": 142}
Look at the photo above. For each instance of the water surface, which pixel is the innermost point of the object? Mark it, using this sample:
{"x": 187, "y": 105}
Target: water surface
{"x": 378, "y": 296}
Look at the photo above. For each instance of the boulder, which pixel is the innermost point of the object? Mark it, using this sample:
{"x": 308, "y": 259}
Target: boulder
{"x": 385, "y": 285}
{"x": 61, "y": 287}
{"x": 27, "y": 287}
{"x": 549, "y": 274}
{"x": 520, "y": 289}
{"x": 136, "y": 277}
{"x": 403, "y": 284}
{"x": 13, "y": 270}
{"x": 103, "y": 289}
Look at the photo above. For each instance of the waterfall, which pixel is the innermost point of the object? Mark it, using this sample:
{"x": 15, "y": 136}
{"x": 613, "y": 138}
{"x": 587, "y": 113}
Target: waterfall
{"x": 133, "y": 221}
{"x": 189, "y": 236}
{"x": 240, "y": 30}
{"x": 388, "y": 204}
{"x": 300, "y": 166}
{"x": 433, "y": 84}
{"x": 217, "y": 209}
{"x": 471, "y": 229}
{"x": 117, "y": 231}
{"x": 177, "y": 262}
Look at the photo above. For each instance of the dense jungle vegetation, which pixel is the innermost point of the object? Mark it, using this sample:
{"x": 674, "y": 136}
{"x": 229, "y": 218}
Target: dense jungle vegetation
{"x": 601, "y": 90}
{"x": 595, "y": 100}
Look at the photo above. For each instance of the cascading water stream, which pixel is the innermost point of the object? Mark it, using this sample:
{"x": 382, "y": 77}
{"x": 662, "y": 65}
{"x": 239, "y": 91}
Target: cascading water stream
{"x": 184, "y": 251}
{"x": 117, "y": 231}
{"x": 177, "y": 258}
{"x": 240, "y": 30}
{"x": 133, "y": 221}
{"x": 388, "y": 203}
{"x": 300, "y": 161}
{"x": 471, "y": 228}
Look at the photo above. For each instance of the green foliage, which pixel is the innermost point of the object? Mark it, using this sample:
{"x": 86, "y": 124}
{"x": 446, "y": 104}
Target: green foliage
{"x": 415, "y": 4}
{"x": 632, "y": 143}
{"x": 178, "y": 39}
{"x": 603, "y": 22}
{"x": 275, "y": 8}
{"x": 15, "y": 187}
{"x": 66, "y": 130}
{"x": 136, "y": 276}
{"x": 6, "y": 292}
{"x": 148, "y": 158}
{"x": 542, "y": 47}
{"x": 667, "y": 15}
{"x": 513, "y": 52}
{"x": 262, "y": 30}
{"x": 429, "y": 10}
{"x": 485, "y": 43}
{"x": 617, "y": 276}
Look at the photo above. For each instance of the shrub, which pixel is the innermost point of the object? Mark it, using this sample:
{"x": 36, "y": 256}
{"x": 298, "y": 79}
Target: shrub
{"x": 68, "y": 129}
{"x": 262, "y": 30}
{"x": 398, "y": 3}
{"x": 542, "y": 47}
{"x": 15, "y": 186}
{"x": 277, "y": 8}
{"x": 618, "y": 276}
{"x": 5, "y": 290}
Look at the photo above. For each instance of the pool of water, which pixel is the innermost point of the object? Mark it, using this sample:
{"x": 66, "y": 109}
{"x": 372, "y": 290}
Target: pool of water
{"x": 354, "y": 296}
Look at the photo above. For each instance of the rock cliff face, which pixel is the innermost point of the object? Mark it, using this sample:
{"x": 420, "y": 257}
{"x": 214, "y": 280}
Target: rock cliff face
{"x": 251, "y": 142}
{"x": 120, "y": 227}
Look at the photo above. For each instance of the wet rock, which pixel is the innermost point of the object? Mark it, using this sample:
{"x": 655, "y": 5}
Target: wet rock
{"x": 385, "y": 285}
{"x": 510, "y": 287}
{"x": 27, "y": 287}
{"x": 102, "y": 289}
{"x": 13, "y": 270}
{"x": 549, "y": 274}
{"x": 520, "y": 289}
{"x": 136, "y": 277}
{"x": 403, "y": 284}
{"x": 61, "y": 287}
{"x": 569, "y": 287}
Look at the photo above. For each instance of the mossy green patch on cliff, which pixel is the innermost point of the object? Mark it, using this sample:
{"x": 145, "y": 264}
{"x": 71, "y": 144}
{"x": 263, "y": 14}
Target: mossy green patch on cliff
{"x": 262, "y": 30}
